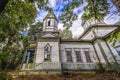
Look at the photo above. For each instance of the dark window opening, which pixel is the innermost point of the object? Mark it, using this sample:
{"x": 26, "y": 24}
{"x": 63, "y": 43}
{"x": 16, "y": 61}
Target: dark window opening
{"x": 29, "y": 56}
{"x": 48, "y": 23}
{"x": 88, "y": 59}
{"x": 69, "y": 56}
{"x": 78, "y": 56}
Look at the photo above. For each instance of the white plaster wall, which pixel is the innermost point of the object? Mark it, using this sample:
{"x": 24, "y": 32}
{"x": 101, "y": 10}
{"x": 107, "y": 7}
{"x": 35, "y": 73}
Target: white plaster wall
{"x": 54, "y": 52}
{"x": 51, "y": 22}
{"x": 89, "y": 36}
{"x": 49, "y": 29}
{"x": 73, "y": 46}
{"x": 102, "y": 32}
{"x": 44, "y": 24}
{"x": 92, "y": 21}
{"x": 115, "y": 53}
{"x": 107, "y": 52}
{"x": 117, "y": 44}
{"x": 56, "y": 23}
{"x": 118, "y": 49}
{"x": 99, "y": 53}
{"x": 83, "y": 56}
{"x": 52, "y": 26}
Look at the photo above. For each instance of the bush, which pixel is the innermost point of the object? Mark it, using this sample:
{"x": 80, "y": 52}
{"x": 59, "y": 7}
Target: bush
{"x": 5, "y": 76}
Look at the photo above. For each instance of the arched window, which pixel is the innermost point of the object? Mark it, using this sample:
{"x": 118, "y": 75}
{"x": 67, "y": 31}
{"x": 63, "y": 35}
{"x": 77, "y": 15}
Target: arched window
{"x": 49, "y": 23}
{"x": 47, "y": 51}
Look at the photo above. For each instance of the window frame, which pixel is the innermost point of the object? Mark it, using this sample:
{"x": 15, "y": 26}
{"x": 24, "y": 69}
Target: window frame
{"x": 47, "y": 45}
{"x": 31, "y": 56}
{"x": 87, "y": 55}
{"x": 78, "y": 59}
{"x": 66, "y": 50}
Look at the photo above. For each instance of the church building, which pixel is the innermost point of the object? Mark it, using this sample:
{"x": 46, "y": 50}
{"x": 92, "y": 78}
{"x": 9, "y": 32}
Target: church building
{"x": 49, "y": 53}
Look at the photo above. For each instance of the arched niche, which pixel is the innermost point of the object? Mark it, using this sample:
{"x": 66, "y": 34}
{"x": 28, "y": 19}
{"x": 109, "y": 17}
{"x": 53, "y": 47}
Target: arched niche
{"x": 49, "y": 23}
{"x": 47, "y": 52}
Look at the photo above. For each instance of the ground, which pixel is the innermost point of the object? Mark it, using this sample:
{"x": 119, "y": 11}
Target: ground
{"x": 80, "y": 76}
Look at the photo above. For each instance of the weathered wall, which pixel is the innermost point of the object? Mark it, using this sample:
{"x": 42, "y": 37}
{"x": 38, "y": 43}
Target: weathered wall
{"x": 115, "y": 53}
{"x": 102, "y": 60}
{"x": 107, "y": 51}
{"x": 54, "y": 52}
{"x": 54, "y": 63}
{"x": 81, "y": 46}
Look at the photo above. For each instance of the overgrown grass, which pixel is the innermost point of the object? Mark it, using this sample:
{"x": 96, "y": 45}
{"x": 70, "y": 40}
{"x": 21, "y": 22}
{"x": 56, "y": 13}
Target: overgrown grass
{"x": 5, "y": 76}
{"x": 80, "y": 76}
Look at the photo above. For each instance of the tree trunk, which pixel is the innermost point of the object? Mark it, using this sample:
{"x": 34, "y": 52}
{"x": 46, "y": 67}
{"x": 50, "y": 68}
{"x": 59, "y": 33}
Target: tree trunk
{"x": 3, "y": 3}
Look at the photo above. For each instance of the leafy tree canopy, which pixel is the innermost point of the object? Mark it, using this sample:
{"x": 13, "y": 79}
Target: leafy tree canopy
{"x": 13, "y": 19}
{"x": 66, "y": 34}
{"x": 35, "y": 30}
{"x": 15, "y": 16}
{"x": 96, "y": 9}
{"x": 68, "y": 16}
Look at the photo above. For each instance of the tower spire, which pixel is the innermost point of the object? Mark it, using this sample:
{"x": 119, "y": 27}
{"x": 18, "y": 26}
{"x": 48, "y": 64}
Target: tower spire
{"x": 50, "y": 22}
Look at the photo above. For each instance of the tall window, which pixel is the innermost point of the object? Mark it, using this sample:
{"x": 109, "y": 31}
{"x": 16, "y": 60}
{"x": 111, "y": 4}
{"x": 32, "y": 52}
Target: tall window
{"x": 88, "y": 59}
{"x": 69, "y": 55}
{"x": 29, "y": 56}
{"x": 47, "y": 51}
{"x": 49, "y": 23}
{"x": 78, "y": 55}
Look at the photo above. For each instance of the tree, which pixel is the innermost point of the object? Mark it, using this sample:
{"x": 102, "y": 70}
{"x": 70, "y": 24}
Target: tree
{"x": 15, "y": 16}
{"x": 3, "y": 4}
{"x": 40, "y": 4}
{"x": 68, "y": 16}
{"x": 66, "y": 34}
{"x": 35, "y": 30}
{"x": 96, "y": 9}
{"x": 115, "y": 36}
{"x": 117, "y": 4}
{"x": 13, "y": 19}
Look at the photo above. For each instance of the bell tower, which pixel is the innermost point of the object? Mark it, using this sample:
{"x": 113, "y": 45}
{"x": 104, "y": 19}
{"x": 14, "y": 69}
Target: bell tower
{"x": 47, "y": 53}
{"x": 50, "y": 22}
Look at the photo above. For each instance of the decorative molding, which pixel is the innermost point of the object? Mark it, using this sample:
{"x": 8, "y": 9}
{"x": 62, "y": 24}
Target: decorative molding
{"x": 48, "y": 35}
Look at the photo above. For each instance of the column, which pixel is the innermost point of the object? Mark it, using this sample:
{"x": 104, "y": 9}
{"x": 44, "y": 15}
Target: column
{"x": 28, "y": 57}
{"x": 83, "y": 56}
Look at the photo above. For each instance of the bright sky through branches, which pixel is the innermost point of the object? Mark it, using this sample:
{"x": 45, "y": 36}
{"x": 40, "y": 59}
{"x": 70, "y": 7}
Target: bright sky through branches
{"x": 58, "y": 7}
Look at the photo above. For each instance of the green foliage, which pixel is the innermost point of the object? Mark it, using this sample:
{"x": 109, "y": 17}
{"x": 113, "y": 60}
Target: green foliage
{"x": 115, "y": 36}
{"x": 75, "y": 76}
{"x": 35, "y": 29}
{"x": 66, "y": 34}
{"x": 95, "y": 9}
{"x": 3, "y": 4}
{"x": 15, "y": 18}
{"x": 98, "y": 10}
{"x": 5, "y": 76}
{"x": 42, "y": 3}
{"x": 68, "y": 16}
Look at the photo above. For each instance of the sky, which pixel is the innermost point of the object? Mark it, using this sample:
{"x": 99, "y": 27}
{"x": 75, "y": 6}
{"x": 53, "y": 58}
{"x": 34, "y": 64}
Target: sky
{"x": 58, "y": 7}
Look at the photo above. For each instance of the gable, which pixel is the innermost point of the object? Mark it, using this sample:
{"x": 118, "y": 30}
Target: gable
{"x": 48, "y": 35}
